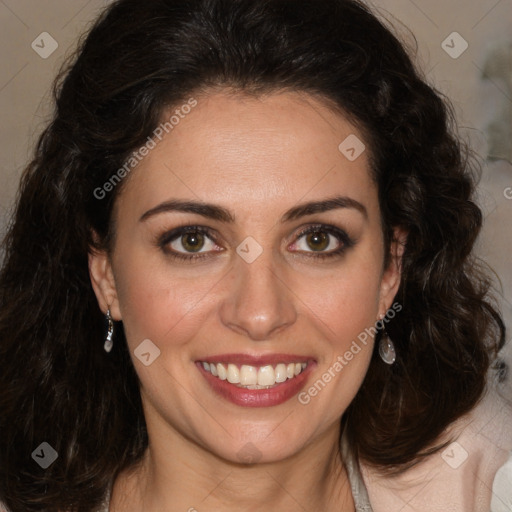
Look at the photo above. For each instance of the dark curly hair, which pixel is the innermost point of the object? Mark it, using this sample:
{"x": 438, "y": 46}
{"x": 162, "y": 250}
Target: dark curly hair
{"x": 140, "y": 58}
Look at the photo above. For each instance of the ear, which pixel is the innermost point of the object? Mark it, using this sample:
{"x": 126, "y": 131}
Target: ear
{"x": 392, "y": 275}
{"x": 103, "y": 282}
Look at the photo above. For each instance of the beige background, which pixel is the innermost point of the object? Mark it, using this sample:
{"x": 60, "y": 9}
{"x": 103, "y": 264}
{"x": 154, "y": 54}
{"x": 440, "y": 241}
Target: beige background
{"x": 479, "y": 82}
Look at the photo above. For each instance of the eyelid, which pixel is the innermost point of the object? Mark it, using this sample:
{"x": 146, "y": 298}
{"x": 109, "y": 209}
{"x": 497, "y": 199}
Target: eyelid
{"x": 174, "y": 233}
{"x": 345, "y": 240}
{"x": 170, "y": 236}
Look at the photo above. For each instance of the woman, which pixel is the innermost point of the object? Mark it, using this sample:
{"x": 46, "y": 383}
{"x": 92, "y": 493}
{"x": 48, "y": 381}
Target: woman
{"x": 240, "y": 266}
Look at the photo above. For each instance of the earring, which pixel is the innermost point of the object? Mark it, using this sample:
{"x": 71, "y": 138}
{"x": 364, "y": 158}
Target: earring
{"x": 387, "y": 349}
{"x": 110, "y": 332}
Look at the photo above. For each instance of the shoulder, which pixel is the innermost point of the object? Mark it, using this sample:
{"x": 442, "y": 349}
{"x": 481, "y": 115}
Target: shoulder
{"x": 458, "y": 478}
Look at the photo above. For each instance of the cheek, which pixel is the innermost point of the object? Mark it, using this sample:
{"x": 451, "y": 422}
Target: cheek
{"x": 344, "y": 309}
{"x": 343, "y": 297}
{"x": 345, "y": 301}
{"x": 157, "y": 302}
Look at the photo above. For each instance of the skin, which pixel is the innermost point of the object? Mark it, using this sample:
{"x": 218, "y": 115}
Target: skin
{"x": 257, "y": 158}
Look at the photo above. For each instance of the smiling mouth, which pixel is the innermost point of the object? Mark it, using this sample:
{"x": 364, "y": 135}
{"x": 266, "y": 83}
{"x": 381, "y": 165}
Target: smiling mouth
{"x": 255, "y": 377}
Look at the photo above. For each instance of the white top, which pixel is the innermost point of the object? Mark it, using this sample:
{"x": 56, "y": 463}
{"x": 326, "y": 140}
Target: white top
{"x": 501, "y": 500}
{"x": 464, "y": 477}
{"x": 359, "y": 492}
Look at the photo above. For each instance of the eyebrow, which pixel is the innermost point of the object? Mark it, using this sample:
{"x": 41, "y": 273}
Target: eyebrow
{"x": 216, "y": 212}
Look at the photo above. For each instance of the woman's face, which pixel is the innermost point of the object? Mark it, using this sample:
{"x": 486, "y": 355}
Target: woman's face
{"x": 281, "y": 268}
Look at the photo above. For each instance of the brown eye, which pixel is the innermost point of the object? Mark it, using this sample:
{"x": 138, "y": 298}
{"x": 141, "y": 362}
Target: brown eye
{"x": 191, "y": 242}
{"x": 317, "y": 240}
{"x": 322, "y": 241}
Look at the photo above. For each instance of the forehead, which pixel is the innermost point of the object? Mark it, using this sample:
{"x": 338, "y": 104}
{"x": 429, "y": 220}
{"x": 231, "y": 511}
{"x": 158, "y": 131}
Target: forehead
{"x": 253, "y": 152}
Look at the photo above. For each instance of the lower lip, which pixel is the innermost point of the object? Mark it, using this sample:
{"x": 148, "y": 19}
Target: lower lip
{"x": 257, "y": 397}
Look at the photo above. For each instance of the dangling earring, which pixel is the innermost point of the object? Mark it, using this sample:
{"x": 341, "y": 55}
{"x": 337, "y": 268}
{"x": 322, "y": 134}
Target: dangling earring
{"x": 110, "y": 332}
{"x": 387, "y": 349}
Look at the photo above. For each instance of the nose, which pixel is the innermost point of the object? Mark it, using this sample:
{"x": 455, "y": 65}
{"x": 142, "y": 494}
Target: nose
{"x": 258, "y": 302}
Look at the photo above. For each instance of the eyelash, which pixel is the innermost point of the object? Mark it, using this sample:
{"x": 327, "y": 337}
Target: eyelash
{"x": 171, "y": 236}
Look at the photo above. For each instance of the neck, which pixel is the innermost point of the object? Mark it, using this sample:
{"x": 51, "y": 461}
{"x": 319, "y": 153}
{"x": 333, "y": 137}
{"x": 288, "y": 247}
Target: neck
{"x": 177, "y": 474}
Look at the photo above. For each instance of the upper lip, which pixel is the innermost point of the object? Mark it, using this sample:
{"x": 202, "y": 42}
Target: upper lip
{"x": 257, "y": 360}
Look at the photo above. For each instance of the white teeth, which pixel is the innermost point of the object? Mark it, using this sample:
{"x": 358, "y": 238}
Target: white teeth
{"x": 233, "y": 374}
{"x": 281, "y": 373}
{"x": 248, "y": 375}
{"x": 254, "y": 377}
{"x": 266, "y": 376}
{"x": 221, "y": 371}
